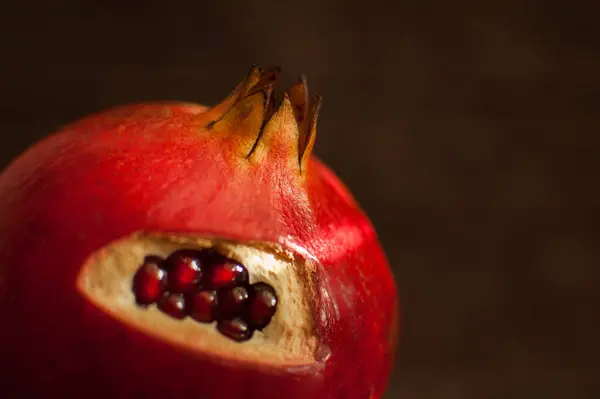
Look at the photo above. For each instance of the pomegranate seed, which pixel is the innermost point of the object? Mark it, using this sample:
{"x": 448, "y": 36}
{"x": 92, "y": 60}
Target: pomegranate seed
{"x": 232, "y": 302}
{"x": 202, "y": 306}
{"x": 149, "y": 282}
{"x": 236, "y": 329}
{"x": 261, "y": 306}
{"x": 184, "y": 271}
{"x": 173, "y": 305}
{"x": 227, "y": 274}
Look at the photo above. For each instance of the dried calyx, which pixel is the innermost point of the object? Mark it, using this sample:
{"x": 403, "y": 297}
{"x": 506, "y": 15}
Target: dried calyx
{"x": 261, "y": 122}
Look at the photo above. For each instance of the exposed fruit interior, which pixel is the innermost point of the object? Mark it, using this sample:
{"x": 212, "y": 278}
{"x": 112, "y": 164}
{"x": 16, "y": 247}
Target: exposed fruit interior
{"x": 238, "y": 301}
{"x": 206, "y": 286}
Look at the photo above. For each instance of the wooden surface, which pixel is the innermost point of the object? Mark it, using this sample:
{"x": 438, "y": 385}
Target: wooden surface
{"x": 467, "y": 131}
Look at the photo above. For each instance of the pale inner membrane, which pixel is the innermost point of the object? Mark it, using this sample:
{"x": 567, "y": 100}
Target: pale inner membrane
{"x": 289, "y": 340}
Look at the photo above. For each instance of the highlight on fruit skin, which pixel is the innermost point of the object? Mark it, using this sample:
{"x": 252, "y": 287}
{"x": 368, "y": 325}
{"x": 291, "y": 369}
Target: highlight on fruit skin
{"x": 170, "y": 249}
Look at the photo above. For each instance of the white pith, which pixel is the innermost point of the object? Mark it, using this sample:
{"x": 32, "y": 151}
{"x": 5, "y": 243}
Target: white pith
{"x": 289, "y": 339}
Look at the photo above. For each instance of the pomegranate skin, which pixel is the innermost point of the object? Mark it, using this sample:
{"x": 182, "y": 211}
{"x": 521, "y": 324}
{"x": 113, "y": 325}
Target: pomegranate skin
{"x": 158, "y": 167}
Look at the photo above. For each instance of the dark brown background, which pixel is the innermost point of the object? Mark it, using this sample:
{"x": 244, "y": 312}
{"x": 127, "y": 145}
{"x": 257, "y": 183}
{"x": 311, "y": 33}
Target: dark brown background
{"x": 468, "y": 132}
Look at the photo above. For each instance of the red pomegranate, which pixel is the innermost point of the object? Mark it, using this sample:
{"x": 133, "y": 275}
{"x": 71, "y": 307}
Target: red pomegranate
{"x": 168, "y": 250}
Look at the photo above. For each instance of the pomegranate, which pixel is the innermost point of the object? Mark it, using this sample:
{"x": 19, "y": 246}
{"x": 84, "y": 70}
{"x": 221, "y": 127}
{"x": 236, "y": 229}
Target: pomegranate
{"x": 169, "y": 250}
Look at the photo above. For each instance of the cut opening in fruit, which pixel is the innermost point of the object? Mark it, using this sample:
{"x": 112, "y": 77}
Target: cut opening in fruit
{"x": 248, "y": 302}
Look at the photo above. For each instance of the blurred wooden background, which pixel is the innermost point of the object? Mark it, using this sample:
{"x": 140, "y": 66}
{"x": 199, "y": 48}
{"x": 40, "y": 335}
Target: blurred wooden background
{"x": 467, "y": 130}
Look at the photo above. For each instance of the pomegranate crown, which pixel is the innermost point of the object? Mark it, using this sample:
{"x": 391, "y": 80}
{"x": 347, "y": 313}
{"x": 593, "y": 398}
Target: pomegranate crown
{"x": 264, "y": 126}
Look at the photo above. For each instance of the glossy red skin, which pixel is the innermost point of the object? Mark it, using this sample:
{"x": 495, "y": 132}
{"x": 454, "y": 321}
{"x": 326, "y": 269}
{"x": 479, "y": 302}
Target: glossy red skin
{"x": 146, "y": 168}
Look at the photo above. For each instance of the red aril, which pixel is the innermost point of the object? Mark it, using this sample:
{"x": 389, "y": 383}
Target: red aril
{"x": 227, "y": 274}
{"x": 203, "y": 305}
{"x": 232, "y": 302}
{"x": 261, "y": 306}
{"x": 184, "y": 271}
{"x": 149, "y": 283}
{"x": 173, "y": 305}
{"x": 236, "y": 329}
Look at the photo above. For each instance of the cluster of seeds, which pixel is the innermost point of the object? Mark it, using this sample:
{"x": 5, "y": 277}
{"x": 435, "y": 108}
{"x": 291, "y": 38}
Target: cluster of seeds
{"x": 207, "y": 287}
